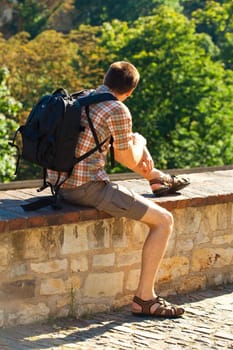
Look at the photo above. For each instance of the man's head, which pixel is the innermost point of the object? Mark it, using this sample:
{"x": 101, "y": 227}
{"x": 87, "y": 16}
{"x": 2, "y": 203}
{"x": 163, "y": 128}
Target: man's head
{"x": 122, "y": 78}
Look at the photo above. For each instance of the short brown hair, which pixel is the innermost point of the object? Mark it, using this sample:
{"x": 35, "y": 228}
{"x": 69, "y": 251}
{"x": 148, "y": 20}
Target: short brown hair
{"x": 121, "y": 77}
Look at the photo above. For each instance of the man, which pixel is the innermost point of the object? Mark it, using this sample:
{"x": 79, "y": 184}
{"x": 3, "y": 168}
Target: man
{"x": 89, "y": 185}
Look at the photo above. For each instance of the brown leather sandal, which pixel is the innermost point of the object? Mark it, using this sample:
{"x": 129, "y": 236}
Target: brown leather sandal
{"x": 169, "y": 184}
{"x": 164, "y": 309}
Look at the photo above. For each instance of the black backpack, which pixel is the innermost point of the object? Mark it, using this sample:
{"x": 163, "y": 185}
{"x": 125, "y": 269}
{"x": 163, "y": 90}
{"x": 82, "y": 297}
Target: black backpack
{"x": 50, "y": 135}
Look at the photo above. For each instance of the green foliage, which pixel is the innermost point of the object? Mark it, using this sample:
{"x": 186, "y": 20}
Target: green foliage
{"x": 101, "y": 11}
{"x": 183, "y": 103}
{"x": 32, "y": 16}
{"x": 8, "y": 111}
{"x": 216, "y": 19}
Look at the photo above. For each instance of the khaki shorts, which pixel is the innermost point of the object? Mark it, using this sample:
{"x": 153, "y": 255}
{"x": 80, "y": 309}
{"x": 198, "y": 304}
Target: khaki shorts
{"x": 112, "y": 198}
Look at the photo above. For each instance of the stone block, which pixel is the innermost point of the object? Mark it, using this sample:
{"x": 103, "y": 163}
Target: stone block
{"x": 211, "y": 214}
{"x": 118, "y": 234}
{"x": 225, "y": 257}
{"x": 17, "y": 270}
{"x": 20, "y": 289}
{"x": 173, "y": 268}
{"x": 103, "y": 260}
{"x": 226, "y": 239}
{"x": 205, "y": 233}
{"x": 129, "y": 258}
{"x": 187, "y": 221}
{"x": 52, "y": 286}
{"x": 98, "y": 233}
{"x": 50, "y": 266}
{"x": 39, "y": 243}
{"x": 222, "y": 214}
{"x": 79, "y": 265}
{"x": 4, "y": 250}
{"x": 103, "y": 284}
{"x": 132, "y": 280}
{"x": 75, "y": 239}
{"x": 192, "y": 283}
{"x": 204, "y": 258}
{"x": 136, "y": 233}
{"x": 72, "y": 283}
{"x": 28, "y": 313}
{"x": 63, "y": 301}
{"x": 184, "y": 246}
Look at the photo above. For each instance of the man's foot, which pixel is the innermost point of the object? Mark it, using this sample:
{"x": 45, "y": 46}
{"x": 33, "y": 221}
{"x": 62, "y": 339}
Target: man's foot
{"x": 157, "y": 307}
{"x": 168, "y": 184}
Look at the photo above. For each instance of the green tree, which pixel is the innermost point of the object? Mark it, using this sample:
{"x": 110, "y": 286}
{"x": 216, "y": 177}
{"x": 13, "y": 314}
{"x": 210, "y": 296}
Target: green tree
{"x": 9, "y": 108}
{"x": 101, "y": 11}
{"x": 47, "y": 62}
{"x": 183, "y": 104}
{"x": 216, "y": 19}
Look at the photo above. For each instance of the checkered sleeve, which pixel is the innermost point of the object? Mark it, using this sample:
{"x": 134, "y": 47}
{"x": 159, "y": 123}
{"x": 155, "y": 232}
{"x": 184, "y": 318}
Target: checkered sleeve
{"x": 120, "y": 126}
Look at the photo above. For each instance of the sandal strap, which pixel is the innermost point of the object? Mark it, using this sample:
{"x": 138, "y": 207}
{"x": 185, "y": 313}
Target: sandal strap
{"x": 163, "y": 180}
{"x": 145, "y": 304}
{"x": 169, "y": 184}
{"x": 164, "y": 309}
{"x": 156, "y": 181}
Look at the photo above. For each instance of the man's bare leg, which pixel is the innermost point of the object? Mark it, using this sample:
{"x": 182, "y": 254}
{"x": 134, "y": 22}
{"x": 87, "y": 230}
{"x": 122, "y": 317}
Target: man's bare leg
{"x": 160, "y": 222}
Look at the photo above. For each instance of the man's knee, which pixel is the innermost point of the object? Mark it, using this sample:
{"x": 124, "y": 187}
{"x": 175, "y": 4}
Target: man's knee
{"x": 158, "y": 216}
{"x": 169, "y": 221}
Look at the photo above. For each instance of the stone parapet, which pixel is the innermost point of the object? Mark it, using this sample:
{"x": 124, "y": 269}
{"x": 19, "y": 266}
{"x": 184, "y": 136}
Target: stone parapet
{"x": 77, "y": 260}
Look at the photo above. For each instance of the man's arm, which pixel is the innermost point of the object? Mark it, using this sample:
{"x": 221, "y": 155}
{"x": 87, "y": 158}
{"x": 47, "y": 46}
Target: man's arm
{"x": 137, "y": 158}
{"x": 130, "y": 157}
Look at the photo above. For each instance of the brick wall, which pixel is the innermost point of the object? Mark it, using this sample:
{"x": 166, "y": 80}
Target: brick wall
{"x": 54, "y": 265}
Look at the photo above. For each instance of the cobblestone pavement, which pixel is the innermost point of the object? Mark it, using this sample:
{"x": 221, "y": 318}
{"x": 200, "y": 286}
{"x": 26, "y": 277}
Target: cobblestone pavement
{"x": 206, "y": 324}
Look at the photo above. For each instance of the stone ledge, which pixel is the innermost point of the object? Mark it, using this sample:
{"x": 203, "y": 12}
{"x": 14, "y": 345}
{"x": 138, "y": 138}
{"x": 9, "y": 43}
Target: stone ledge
{"x": 206, "y": 188}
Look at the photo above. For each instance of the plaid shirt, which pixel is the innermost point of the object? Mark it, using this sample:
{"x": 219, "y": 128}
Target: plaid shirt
{"x": 109, "y": 118}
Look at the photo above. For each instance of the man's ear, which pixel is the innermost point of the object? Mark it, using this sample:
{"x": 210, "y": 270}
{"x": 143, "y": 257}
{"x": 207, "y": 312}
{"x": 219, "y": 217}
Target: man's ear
{"x": 129, "y": 93}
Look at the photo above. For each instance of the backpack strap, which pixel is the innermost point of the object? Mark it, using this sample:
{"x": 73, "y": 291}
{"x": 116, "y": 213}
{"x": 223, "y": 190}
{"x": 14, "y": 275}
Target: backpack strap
{"x": 96, "y": 98}
{"x": 53, "y": 200}
{"x": 86, "y": 101}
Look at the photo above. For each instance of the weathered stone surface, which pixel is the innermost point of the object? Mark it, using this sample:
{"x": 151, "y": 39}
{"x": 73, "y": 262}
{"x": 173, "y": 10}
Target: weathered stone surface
{"x": 103, "y": 284}
{"x": 98, "y": 234}
{"x": 4, "y": 249}
{"x": 28, "y": 313}
{"x": 18, "y": 269}
{"x": 72, "y": 283}
{"x": 19, "y": 289}
{"x": 75, "y": 239}
{"x": 222, "y": 216}
{"x": 173, "y": 268}
{"x": 132, "y": 280}
{"x": 87, "y": 259}
{"x": 204, "y": 258}
{"x": 188, "y": 223}
{"x": 79, "y": 264}
{"x": 119, "y": 235}
{"x": 129, "y": 258}
{"x": 104, "y": 259}
{"x": 192, "y": 283}
{"x": 50, "y": 266}
{"x": 226, "y": 240}
{"x": 52, "y": 286}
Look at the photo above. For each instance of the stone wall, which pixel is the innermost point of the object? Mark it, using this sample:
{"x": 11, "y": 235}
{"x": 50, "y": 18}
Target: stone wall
{"x": 93, "y": 265}
{"x": 73, "y": 263}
